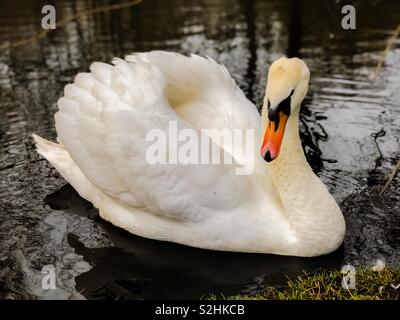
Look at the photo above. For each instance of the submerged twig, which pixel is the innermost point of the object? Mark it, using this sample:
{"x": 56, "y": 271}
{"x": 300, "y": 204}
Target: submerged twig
{"x": 67, "y": 19}
{"x": 391, "y": 177}
{"x": 389, "y": 46}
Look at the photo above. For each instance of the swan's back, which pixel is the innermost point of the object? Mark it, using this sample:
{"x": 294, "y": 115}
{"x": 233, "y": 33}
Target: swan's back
{"x": 202, "y": 86}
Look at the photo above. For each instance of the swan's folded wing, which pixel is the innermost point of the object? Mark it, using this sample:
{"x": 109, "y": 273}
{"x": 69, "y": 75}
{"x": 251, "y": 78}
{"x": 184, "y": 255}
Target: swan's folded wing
{"x": 103, "y": 122}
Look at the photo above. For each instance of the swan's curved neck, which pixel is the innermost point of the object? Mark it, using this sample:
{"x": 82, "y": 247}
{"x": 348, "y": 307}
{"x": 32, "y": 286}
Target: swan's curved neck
{"x": 292, "y": 175}
{"x": 312, "y": 212}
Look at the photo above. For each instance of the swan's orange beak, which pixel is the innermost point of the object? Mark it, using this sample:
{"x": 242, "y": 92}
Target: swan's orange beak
{"x": 273, "y": 137}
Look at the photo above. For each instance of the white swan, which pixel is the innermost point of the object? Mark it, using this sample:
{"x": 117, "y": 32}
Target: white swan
{"x": 102, "y": 122}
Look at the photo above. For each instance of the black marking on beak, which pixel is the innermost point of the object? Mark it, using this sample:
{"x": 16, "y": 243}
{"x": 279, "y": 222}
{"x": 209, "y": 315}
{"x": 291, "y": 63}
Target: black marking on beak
{"x": 272, "y": 114}
{"x": 283, "y": 106}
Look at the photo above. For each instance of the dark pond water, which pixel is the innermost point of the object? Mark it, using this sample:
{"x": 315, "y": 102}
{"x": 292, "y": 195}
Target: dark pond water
{"x": 350, "y": 128}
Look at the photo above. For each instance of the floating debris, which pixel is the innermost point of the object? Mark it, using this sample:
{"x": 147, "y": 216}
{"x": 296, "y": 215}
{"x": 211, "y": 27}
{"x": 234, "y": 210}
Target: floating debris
{"x": 64, "y": 21}
{"x": 391, "y": 177}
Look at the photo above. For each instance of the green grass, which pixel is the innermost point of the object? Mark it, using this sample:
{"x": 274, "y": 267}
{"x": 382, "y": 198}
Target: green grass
{"x": 327, "y": 285}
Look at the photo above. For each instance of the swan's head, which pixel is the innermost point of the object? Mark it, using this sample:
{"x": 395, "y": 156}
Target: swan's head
{"x": 287, "y": 86}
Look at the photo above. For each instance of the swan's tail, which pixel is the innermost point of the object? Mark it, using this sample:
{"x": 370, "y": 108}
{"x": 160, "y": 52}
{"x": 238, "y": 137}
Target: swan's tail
{"x": 47, "y": 148}
{"x": 59, "y": 157}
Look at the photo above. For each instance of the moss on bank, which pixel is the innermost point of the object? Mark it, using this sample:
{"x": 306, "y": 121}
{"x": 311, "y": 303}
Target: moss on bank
{"x": 327, "y": 285}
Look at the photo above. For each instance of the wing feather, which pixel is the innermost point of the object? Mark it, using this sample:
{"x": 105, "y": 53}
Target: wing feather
{"x": 104, "y": 117}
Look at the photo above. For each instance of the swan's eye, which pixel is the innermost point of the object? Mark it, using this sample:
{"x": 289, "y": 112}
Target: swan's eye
{"x": 269, "y": 104}
{"x": 291, "y": 93}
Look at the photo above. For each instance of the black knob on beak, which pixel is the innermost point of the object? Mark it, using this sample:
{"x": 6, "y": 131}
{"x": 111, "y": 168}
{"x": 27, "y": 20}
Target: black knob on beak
{"x": 273, "y": 114}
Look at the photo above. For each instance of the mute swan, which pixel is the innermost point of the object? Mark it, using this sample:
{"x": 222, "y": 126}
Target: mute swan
{"x": 281, "y": 207}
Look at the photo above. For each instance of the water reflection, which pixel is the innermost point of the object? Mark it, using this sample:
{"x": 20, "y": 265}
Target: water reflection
{"x": 155, "y": 269}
